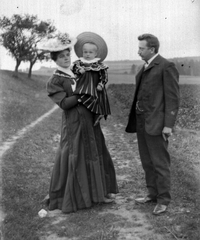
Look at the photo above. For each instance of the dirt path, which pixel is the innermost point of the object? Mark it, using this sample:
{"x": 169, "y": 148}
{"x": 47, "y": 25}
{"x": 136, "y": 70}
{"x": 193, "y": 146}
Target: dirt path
{"x": 121, "y": 220}
{"x": 126, "y": 159}
{"x": 5, "y": 146}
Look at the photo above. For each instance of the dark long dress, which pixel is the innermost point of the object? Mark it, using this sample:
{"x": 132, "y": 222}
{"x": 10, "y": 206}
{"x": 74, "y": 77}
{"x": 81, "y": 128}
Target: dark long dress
{"x": 83, "y": 172}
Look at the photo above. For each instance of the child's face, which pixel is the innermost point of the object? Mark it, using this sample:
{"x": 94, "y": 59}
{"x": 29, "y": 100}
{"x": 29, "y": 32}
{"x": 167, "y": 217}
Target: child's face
{"x": 64, "y": 59}
{"x": 89, "y": 51}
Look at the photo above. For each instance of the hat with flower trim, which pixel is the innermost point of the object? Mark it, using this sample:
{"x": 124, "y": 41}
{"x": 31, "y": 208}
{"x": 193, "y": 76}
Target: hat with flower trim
{"x": 90, "y": 37}
{"x": 58, "y": 43}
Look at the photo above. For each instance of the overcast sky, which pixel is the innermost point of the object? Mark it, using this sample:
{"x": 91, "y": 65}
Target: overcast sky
{"x": 175, "y": 22}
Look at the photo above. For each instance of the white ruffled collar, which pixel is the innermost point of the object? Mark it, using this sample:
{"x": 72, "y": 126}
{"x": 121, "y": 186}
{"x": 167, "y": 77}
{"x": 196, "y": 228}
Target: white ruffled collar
{"x": 66, "y": 70}
{"x": 89, "y": 61}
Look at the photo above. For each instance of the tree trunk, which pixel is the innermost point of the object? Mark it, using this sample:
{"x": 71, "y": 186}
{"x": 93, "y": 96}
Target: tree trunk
{"x": 30, "y": 68}
{"x": 18, "y": 62}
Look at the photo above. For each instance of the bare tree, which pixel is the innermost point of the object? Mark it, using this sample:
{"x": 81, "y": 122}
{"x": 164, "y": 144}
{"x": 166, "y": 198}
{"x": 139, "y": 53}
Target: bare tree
{"x": 19, "y": 36}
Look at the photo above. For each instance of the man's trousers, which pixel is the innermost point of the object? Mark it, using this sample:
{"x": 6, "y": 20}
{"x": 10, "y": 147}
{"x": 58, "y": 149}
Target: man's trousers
{"x": 155, "y": 161}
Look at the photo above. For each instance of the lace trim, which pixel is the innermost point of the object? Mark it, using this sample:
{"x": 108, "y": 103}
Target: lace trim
{"x": 63, "y": 75}
{"x": 72, "y": 79}
{"x": 95, "y": 60}
{"x": 92, "y": 67}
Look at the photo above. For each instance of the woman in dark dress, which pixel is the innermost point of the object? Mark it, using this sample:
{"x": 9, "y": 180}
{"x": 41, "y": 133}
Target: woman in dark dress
{"x": 83, "y": 172}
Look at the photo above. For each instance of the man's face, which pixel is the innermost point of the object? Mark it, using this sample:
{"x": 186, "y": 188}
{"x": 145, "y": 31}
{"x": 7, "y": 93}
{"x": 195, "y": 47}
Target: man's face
{"x": 64, "y": 59}
{"x": 144, "y": 51}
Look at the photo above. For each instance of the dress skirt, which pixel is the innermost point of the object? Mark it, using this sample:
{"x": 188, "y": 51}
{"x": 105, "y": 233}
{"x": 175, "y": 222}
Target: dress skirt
{"x": 83, "y": 171}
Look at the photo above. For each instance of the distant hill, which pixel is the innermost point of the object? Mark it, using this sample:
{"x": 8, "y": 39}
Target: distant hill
{"x": 197, "y": 58}
{"x": 44, "y": 71}
{"x": 117, "y": 67}
{"x": 123, "y": 66}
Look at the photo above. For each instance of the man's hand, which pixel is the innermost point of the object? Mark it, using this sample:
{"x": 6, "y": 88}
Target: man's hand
{"x": 166, "y": 132}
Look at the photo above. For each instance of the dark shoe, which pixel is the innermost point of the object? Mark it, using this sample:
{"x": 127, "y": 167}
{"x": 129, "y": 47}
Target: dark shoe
{"x": 107, "y": 200}
{"x": 111, "y": 196}
{"x": 145, "y": 200}
{"x": 159, "y": 208}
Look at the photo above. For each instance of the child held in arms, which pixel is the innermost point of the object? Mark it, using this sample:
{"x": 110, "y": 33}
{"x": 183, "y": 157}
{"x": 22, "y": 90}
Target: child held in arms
{"x": 92, "y": 74}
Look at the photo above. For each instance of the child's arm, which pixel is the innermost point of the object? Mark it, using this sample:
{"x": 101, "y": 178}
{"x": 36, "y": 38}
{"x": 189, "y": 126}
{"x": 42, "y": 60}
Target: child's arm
{"x": 77, "y": 68}
{"x": 81, "y": 70}
{"x": 103, "y": 79}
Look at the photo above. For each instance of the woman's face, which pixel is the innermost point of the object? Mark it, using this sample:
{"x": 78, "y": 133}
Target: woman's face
{"x": 64, "y": 59}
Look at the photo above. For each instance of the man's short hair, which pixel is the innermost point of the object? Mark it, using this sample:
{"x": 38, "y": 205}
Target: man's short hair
{"x": 152, "y": 41}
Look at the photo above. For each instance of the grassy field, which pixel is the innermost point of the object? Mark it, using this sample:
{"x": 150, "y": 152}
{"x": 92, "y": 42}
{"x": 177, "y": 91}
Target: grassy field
{"x": 127, "y": 78}
{"x": 189, "y": 112}
{"x": 22, "y": 101}
{"x": 26, "y": 167}
{"x": 18, "y": 98}
{"x": 184, "y": 220}
{"x": 130, "y": 79}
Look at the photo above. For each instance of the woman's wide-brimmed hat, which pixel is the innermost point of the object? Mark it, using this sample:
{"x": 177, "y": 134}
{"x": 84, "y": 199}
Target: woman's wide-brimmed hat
{"x": 90, "y": 37}
{"x": 57, "y": 43}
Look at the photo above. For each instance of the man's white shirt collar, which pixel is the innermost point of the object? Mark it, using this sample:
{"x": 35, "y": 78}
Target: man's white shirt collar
{"x": 150, "y": 60}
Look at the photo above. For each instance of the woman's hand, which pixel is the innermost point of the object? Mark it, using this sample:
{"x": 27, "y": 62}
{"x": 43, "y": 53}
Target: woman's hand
{"x": 81, "y": 70}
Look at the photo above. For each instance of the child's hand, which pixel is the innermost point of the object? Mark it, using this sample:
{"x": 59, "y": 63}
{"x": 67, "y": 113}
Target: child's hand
{"x": 81, "y": 70}
{"x": 100, "y": 87}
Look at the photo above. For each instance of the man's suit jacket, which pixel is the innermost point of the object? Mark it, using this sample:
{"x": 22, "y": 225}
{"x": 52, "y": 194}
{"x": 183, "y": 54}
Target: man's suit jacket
{"x": 160, "y": 92}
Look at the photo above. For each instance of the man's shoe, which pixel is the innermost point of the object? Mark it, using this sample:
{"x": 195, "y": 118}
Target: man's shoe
{"x": 145, "y": 200}
{"x": 159, "y": 208}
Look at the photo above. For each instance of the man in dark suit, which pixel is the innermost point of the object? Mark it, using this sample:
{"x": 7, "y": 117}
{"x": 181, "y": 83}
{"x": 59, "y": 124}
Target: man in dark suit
{"x": 152, "y": 117}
